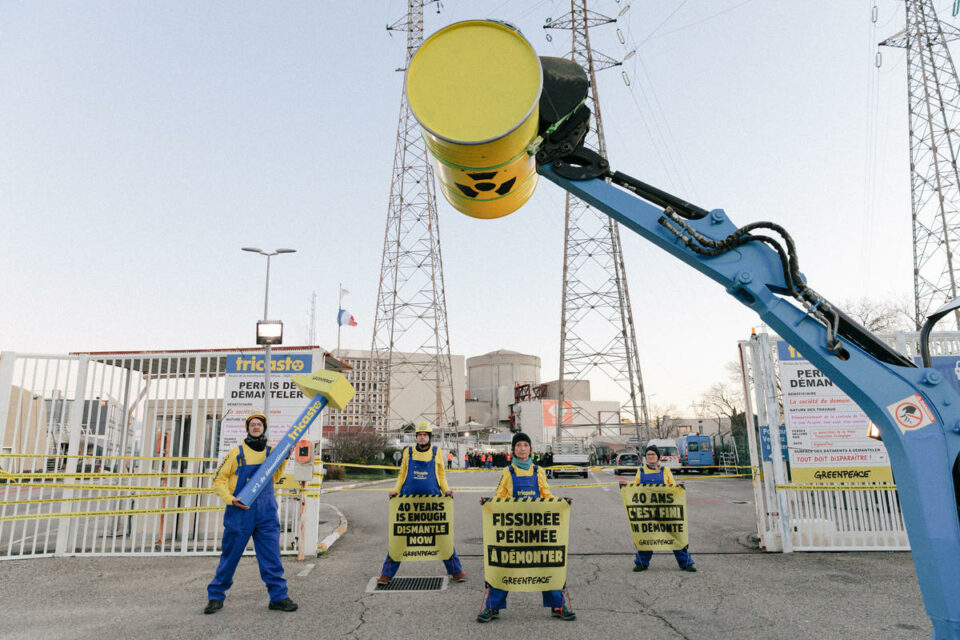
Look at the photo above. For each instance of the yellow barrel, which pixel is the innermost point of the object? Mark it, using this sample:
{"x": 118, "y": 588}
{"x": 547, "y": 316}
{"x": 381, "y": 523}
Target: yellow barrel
{"x": 474, "y": 87}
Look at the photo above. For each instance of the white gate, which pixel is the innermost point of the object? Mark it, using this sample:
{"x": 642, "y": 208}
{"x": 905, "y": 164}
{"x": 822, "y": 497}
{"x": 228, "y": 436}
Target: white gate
{"x": 823, "y": 517}
{"x": 114, "y": 454}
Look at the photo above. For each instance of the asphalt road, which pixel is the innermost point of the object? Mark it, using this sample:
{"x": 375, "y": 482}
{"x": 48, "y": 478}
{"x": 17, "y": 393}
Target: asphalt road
{"x": 738, "y": 591}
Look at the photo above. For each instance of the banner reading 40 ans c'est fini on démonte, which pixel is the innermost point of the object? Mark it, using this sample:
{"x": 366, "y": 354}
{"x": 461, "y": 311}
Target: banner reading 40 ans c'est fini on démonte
{"x": 420, "y": 528}
{"x": 657, "y": 515}
{"x": 525, "y": 543}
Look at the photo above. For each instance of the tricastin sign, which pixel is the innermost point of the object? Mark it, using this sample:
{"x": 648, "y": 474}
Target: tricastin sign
{"x": 243, "y": 394}
{"x": 826, "y": 431}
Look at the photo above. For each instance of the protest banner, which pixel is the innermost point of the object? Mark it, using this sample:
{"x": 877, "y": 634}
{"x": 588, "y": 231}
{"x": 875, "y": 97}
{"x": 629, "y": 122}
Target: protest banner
{"x": 420, "y": 528}
{"x": 525, "y": 543}
{"x": 657, "y": 515}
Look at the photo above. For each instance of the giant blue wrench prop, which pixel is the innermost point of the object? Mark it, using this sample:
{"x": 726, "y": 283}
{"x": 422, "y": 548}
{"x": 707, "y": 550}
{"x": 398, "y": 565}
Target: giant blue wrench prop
{"x": 322, "y": 387}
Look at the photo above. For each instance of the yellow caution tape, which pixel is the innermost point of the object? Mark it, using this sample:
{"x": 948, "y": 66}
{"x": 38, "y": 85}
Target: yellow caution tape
{"x": 90, "y": 476}
{"x": 107, "y": 487}
{"x": 132, "y": 496}
{"x": 94, "y": 457}
{"x": 837, "y": 487}
{"x": 94, "y": 514}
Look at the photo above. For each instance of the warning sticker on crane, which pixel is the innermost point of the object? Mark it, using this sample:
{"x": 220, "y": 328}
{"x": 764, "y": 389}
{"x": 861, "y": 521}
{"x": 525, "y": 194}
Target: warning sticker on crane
{"x": 911, "y": 413}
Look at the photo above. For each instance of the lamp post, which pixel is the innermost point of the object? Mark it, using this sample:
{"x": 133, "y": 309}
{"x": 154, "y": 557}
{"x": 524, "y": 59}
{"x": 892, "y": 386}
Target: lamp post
{"x": 269, "y": 332}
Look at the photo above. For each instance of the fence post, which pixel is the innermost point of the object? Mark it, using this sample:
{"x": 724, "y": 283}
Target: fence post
{"x": 198, "y": 426}
{"x": 311, "y": 511}
{"x": 773, "y": 414}
{"x": 7, "y": 361}
{"x": 758, "y": 498}
{"x": 67, "y": 526}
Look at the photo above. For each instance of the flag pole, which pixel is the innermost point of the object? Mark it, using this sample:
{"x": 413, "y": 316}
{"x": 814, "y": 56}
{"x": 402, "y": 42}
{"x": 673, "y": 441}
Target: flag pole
{"x": 339, "y": 309}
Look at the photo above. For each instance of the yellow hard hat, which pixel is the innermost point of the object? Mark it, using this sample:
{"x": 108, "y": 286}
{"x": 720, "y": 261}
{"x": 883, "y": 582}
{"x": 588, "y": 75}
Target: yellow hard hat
{"x": 424, "y": 427}
{"x": 259, "y": 416}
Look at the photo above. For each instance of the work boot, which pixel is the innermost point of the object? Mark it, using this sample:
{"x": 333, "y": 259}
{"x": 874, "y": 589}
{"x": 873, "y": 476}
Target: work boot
{"x": 564, "y": 613}
{"x": 487, "y": 614}
{"x": 689, "y": 567}
{"x": 213, "y": 606}
{"x": 284, "y": 605}
{"x": 639, "y": 567}
{"x": 459, "y": 576}
{"x": 382, "y": 580}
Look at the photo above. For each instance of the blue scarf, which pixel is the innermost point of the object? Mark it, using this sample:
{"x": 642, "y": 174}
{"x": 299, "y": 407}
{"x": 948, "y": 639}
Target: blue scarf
{"x": 523, "y": 465}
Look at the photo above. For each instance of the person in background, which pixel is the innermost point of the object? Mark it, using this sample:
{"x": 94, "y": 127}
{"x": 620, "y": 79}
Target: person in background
{"x": 422, "y": 473}
{"x": 523, "y": 479}
{"x": 241, "y": 521}
{"x": 652, "y": 473}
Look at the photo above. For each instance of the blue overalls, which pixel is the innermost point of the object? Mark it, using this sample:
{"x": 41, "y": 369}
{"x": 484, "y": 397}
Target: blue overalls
{"x": 524, "y": 487}
{"x": 421, "y": 480}
{"x": 643, "y": 557}
{"x": 259, "y": 521}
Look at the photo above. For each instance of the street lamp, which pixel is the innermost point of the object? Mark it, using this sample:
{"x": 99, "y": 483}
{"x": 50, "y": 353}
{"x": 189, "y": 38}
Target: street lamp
{"x": 269, "y": 332}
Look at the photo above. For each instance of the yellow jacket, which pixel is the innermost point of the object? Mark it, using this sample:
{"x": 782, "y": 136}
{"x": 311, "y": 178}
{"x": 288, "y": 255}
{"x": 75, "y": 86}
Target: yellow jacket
{"x": 225, "y": 482}
{"x": 423, "y": 456}
{"x": 667, "y": 475}
{"x": 505, "y": 488}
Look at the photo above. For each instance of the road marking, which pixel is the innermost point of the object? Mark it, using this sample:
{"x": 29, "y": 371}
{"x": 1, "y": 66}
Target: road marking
{"x": 306, "y": 571}
{"x": 598, "y": 481}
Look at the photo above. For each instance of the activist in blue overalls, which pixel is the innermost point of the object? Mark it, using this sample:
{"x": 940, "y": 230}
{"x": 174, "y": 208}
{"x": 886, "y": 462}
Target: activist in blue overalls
{"x": 652, "y": 473}
{"x": 422, "y": 472}
{"x": 523, "y": 479}
{"x": 241, "y": 521}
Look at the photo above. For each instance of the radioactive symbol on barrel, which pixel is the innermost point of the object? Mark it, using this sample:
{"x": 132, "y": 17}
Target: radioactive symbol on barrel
{"x": 483, "y": 183}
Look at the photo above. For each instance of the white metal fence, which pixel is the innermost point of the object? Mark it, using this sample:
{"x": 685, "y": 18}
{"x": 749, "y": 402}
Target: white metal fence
{"x": 797, "y": 517}
{"x": 114, "y": 454}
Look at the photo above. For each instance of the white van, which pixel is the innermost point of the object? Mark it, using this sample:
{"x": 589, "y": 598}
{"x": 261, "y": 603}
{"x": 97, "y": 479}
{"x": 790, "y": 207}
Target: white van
{"x": 669, "y": 454}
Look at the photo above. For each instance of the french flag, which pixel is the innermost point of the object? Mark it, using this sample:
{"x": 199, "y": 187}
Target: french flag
{"x": 345, "y": 318}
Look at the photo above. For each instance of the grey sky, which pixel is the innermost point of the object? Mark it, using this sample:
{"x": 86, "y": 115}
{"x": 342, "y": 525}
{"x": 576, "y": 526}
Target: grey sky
{"x": 143, "y": 143}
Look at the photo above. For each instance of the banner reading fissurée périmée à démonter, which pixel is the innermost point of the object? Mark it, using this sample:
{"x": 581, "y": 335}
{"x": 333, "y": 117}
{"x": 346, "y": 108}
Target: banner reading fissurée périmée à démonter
{"x": 420, "y": 528}
{"x": 657, "y": 515}
{"x": 826, "y": 430}
{"x": 525, "y": 543}
{"x": 243, "y": 394}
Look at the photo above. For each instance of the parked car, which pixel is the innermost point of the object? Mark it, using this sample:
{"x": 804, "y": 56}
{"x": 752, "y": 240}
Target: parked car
{"x": 627, "y": 463}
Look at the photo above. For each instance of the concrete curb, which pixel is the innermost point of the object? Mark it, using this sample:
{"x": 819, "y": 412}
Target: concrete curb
{"x": 356, "y": 485}
{"x": 324, "y": 545}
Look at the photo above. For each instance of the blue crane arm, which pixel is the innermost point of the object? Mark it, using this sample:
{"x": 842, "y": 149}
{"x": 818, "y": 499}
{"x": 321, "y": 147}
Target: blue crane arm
{"x": 922, "y": 457}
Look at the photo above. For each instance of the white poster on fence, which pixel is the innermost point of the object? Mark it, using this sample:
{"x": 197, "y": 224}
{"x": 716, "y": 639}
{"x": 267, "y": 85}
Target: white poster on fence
{"x": 826, "y": 430}
{"x": 243, "y": 395}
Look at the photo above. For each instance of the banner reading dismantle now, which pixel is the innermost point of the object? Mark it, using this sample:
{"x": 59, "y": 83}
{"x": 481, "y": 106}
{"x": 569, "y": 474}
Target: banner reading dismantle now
{"x": 525, "y": 543}
{"x": 420, "y": 528}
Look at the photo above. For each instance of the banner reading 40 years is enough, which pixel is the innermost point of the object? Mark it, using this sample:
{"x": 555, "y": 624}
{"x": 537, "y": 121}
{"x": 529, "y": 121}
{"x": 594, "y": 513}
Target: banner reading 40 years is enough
{"x": 657, "y": 515}
{"x": 525, "y": 543}
{"x": 421, "y": 528}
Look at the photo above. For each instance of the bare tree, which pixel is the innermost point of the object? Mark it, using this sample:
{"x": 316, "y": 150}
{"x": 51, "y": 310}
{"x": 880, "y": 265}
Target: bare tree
{"x": 726, "y": 400}
{"x": 359, "y": 447}
{"x": 659, "y": 416}
{"x": 881, "y": 315}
